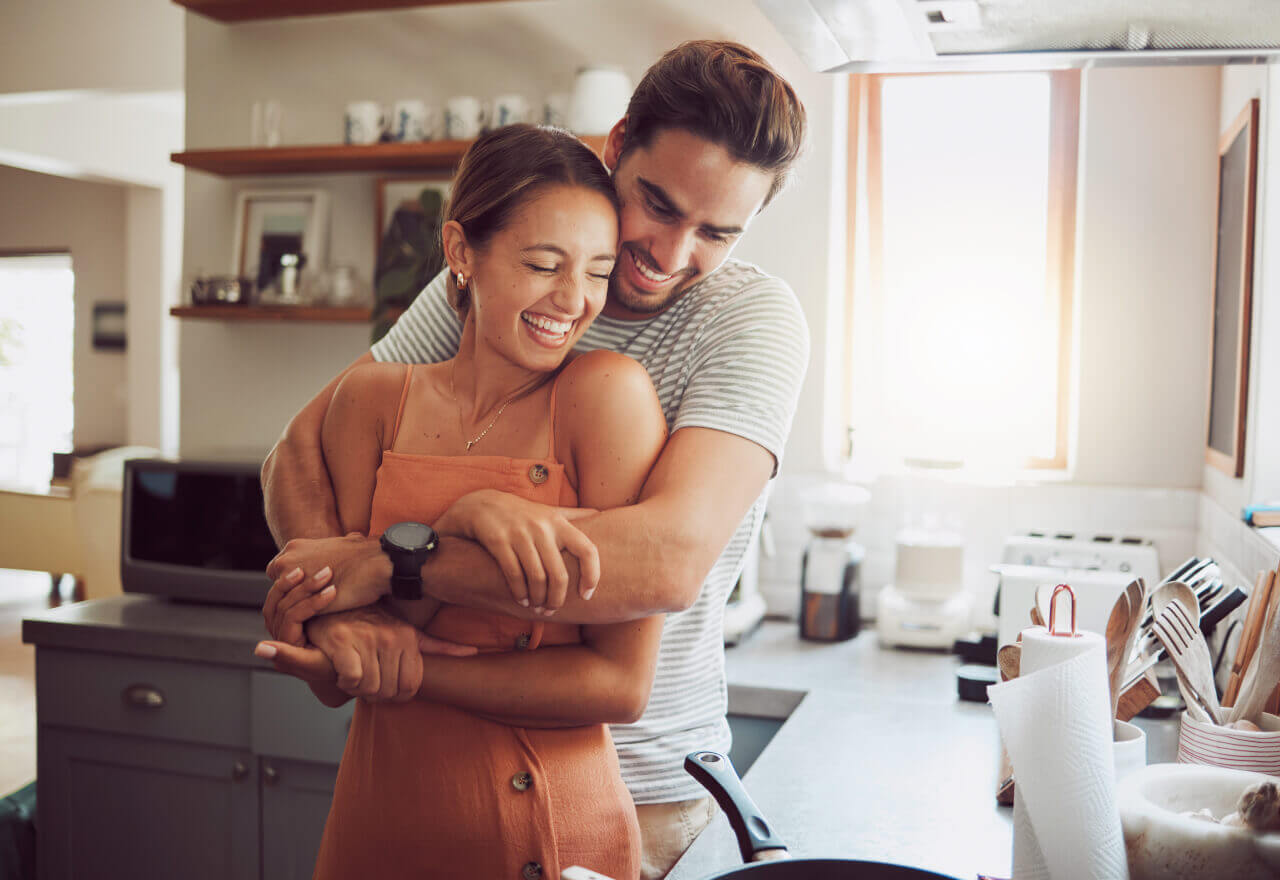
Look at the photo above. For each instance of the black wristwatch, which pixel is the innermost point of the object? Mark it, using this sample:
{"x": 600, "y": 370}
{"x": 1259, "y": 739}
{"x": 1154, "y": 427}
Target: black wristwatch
{"x": 408, "y": 544}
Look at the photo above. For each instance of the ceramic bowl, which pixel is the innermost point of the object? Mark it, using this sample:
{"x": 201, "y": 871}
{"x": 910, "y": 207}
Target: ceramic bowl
{"x": 1162, "y": 843}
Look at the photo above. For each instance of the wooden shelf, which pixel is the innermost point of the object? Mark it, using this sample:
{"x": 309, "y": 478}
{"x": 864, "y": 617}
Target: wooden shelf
{"x": 275, "y": 313}
{"x": 442, "y": 156}
{"x": 254, "y": 10}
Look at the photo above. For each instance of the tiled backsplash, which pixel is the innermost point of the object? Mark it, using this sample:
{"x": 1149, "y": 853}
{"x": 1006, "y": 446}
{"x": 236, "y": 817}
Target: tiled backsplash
{"x": 985, "y": 516}
{"x": 1242, "y": 550}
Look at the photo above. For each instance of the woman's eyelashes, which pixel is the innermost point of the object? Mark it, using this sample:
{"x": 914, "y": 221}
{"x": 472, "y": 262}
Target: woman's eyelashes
{"x": 555, "y": 270}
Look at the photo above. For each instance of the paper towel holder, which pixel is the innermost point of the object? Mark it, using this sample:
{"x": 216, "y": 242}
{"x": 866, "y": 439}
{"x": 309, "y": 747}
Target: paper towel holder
{"x": 1053, "y": 611}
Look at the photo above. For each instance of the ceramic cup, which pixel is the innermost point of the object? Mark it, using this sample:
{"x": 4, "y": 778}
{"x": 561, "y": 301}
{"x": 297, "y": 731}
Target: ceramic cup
{"x": 1256, "y": 750}
{"x": 1130, "y": 742}
{"x": 365, "y": 122}
{"x": 409, "y": 121}
{"x": 510, "y": 109}
{"x": 464, "y": 118}
{"x": 600, "y": 97}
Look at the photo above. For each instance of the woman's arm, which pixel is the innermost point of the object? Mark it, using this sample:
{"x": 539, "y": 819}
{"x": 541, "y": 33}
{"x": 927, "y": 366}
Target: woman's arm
{"x": 609, "y": 432}
{"x": 358, "y": 419}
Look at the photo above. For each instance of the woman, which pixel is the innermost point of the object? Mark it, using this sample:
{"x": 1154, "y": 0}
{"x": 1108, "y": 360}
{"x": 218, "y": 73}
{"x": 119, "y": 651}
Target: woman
{"x": 425, "y": 789}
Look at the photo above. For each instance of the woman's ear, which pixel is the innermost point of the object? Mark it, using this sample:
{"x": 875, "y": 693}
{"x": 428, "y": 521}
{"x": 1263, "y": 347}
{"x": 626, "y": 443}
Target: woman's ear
{"x": 457, "y": 253}
{"x": 613, "y": 144}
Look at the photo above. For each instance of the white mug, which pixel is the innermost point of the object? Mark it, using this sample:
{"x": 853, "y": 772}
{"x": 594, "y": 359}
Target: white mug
{"x": 510, "y": 109}
{"x": 600, "y": 98}
{"x": 365, "y": 122}
{"x": 464, "y": 118}
{"x": 409, "y": 121}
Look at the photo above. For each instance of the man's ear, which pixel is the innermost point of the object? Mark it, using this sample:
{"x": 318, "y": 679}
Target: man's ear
{"x": 457, "y": 253}
{"x": 613, "y": 144}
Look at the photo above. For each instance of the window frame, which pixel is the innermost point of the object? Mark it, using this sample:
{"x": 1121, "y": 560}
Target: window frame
{"x": 865, "y": 137}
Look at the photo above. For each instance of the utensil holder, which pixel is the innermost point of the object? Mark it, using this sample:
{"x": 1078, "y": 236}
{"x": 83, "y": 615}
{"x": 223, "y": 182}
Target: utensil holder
{"x": 1255, "y": 750}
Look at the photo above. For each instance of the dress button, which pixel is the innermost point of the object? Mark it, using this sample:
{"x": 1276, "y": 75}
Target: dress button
{"x": 522, "y": 641}
{"x": 531, "y": 871}
{"x": 538, "y": 474}
{"x": 522, "y": 781}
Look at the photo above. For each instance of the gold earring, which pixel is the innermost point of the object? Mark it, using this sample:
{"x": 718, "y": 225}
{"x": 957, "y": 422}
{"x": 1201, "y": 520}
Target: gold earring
{"x": 462, "y": 281}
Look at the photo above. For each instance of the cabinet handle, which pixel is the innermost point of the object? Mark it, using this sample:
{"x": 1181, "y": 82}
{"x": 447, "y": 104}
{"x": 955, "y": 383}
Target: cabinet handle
{"x": 143, "y": 696}
{"x": 269, "y": 775}
{"x": 239, "y": 771}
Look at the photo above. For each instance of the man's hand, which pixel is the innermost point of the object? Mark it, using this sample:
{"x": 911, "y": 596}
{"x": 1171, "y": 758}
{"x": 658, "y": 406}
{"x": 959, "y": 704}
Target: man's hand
{"x": 525, "y": 538}
{"x": 367, "y": 653}
{"x": 314, "y": 575}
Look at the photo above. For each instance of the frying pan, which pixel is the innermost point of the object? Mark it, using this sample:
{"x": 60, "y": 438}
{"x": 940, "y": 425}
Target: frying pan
{"x": 765, "y": 853}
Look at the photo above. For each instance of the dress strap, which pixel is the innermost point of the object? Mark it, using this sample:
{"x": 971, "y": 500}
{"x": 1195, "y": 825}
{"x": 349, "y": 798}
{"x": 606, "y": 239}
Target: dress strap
{"x": 551, "y": 419}
{"x": 404, "y": 395}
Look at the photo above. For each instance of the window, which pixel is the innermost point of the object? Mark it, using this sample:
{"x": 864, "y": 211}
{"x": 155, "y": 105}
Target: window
{"x": 36, "y": 332}
{"x": 962, "y": 218}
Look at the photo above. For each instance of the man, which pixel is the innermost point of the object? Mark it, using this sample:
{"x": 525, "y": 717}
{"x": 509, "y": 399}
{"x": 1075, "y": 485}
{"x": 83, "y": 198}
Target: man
{"x": 709, "y": 138}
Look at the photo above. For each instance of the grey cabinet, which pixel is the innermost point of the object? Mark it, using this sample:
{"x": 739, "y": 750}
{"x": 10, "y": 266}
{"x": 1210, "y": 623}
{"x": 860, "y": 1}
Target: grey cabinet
{"x": 113, "y": 807}
{"x": 154, "y": 768}
{"x": 295, "y": 801}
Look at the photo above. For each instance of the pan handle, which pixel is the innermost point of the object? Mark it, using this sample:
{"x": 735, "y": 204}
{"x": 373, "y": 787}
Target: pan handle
{"x": 716, "y": 774}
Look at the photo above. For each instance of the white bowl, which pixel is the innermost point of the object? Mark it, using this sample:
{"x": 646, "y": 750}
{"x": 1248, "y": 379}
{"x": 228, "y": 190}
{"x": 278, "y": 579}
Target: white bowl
{"x": 1162, "y": 843}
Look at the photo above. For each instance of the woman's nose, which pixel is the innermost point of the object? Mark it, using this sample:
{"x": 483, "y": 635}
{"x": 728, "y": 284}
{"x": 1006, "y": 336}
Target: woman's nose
{"x": 570, "y": 294}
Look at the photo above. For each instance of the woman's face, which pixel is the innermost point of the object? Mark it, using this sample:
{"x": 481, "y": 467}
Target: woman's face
{"x": 538, "y": 283}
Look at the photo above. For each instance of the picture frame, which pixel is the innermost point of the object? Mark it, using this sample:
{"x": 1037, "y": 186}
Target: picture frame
{"x": 273, "y": 222}
{"x": 109, "y": 326}
{"x": 1232, "y": 300}
{"x": 392, "y": 193}
{"x": 408, "y": 213}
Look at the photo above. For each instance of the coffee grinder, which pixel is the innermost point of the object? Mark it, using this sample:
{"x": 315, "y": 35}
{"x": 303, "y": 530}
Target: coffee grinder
{"x": 829, "y": 588}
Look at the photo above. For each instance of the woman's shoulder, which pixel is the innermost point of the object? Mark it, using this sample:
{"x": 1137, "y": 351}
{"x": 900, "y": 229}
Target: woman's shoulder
{"x": 600, "y": 388}
{"x": 595, "y": 372}
{"x": 371, "y": 382}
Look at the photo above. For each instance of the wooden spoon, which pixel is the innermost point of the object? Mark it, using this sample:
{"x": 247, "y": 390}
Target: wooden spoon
{"x": 1261, "y": 677}
{"x": 1009, "y": 658}
{"x": 1117, "y": 635}
{"x": 1135, "y": 598}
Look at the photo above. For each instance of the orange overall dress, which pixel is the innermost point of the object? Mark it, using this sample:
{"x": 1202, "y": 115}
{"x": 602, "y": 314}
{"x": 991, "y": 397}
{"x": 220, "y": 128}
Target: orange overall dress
{"x": 426, "y": 790}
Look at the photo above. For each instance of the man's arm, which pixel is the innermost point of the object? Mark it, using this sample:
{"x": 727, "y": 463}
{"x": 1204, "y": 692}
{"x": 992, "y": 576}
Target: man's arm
{"x": 654, "y": 555}
{"x": 295, "y": 481}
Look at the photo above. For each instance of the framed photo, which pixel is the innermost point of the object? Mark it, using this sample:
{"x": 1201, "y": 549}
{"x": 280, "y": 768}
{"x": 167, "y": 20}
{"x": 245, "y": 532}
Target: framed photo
{"x": 1233, "y": 292}
{"x": 109, "y": 326}
{"x": 272, "y": 223}
{"x": 408, "y": 212}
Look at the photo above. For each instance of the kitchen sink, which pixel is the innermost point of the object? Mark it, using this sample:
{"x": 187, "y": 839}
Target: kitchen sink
{"x": 756, "y": 714}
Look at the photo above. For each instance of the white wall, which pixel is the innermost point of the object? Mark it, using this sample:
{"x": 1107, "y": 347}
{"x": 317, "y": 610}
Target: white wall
{"x": 1146, "y": 209}
{"x": 40, "y": 211}
{"x": 92, "y": 91}
{"x": 314, "y": 66}
{"x": 123, "y": 45}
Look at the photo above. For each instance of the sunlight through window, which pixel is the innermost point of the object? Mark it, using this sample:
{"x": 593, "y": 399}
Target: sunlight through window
{"x": 37, "y": 318}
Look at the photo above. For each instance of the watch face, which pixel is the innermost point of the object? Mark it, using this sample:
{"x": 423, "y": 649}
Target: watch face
{"x": 411, "y": 536}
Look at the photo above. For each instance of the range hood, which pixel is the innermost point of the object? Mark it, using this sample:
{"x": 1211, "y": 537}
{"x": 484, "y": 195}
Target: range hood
{"x": 851, "y": 36}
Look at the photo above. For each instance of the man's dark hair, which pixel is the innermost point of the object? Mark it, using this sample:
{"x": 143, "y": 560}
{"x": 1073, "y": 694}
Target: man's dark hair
{"x": 726, "y": 93}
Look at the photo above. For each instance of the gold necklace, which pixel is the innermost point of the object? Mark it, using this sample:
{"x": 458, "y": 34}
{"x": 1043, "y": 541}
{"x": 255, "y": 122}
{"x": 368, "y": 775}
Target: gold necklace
{"x": 462, "y": 430}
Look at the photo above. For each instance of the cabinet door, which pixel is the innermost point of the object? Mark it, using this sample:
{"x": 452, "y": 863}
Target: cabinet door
{"x": 295, "y": 803}
{"x": 119, "y": 807}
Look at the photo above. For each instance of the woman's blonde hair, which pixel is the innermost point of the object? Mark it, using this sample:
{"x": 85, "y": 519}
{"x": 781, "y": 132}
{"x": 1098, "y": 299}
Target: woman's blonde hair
{"x": 505, "y": 168}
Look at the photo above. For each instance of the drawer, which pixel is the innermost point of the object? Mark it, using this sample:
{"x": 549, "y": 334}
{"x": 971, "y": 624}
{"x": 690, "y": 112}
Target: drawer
{"x": 143, "y": 696}
{"x": 289, "y": 722}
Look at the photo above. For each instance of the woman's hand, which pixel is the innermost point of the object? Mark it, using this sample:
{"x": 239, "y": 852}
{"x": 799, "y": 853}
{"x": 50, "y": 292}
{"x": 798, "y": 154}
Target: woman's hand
{"x": 322, "y": 575}
{"x": 525, "y": 538}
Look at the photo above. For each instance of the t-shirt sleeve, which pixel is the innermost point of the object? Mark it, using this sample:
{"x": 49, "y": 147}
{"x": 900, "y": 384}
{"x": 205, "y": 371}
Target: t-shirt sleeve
{"x": 427, "y": 333}
{"x": 748, "y": 364}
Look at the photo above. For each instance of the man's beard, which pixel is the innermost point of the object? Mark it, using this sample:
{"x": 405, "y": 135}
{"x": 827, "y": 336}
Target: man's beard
{"x": 624, "y": 295}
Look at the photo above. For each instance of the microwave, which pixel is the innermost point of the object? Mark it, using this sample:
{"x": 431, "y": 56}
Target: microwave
{"x": 195, "y": 531}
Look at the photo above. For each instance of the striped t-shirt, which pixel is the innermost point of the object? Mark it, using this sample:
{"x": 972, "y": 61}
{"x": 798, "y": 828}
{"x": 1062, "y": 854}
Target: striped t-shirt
{"x": 729, "y": 354}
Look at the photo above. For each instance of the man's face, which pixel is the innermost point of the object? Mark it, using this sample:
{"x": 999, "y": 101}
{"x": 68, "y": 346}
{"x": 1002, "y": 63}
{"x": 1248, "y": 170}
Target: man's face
{"x": 685, "y": 204}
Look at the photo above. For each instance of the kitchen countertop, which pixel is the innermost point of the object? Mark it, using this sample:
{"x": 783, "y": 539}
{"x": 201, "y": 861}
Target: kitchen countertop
{"x": 879, "y": 760}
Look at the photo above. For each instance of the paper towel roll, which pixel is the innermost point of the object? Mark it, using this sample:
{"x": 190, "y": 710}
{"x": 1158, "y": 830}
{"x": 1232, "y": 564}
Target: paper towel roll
{"x": 1055, "y": 720}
